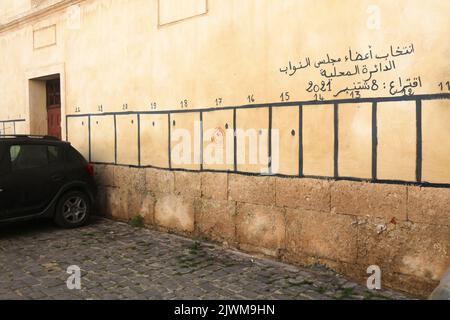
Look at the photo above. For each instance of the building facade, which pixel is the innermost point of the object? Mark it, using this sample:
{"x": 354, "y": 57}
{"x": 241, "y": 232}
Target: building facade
{"x": 309, "y": 131}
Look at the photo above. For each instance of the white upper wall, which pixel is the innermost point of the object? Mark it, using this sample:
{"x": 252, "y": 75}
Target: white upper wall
{"x": 12, "y": 8}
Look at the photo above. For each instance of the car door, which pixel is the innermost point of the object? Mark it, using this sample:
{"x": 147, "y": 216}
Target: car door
{"x": 6, "y": 197}
{"x": 36, "y": 176}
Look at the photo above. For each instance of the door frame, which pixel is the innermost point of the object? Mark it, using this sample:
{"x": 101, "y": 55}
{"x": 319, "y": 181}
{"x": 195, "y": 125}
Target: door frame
{"x": 40, "y": 74}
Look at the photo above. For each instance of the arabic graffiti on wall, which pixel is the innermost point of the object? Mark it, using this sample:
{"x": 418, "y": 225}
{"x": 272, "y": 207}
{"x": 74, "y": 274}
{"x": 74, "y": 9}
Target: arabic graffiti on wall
{"x": 362, "y": 69}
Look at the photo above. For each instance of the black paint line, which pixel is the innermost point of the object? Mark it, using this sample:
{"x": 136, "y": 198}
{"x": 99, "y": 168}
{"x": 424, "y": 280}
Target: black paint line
{"x": 139, "y": 138}
{"x": 258, "y": 174}
{"x": 300, "y": 140}
{"x": 115, "y": 139}
{"x": 269, "y": 153}
{"x": 67, "y": 128}
{"x": 14, "y": 127}
{"x": 201, "y": 140}
{"x": 336, "y": 140}
{"x": 374, "y": 140}
{"x": 89, "y": 134}
{"x": 234, "y": 140}
{"x": 419, "y": 140}
{"x": 169, "y": 143}
{"x": 15, "y": 120}
{"x": 438, "y": 96}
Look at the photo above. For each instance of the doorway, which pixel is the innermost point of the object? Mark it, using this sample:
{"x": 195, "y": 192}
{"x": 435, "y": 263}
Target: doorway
{"x": 46, "y": 113}
{"x": 53, "y": 105}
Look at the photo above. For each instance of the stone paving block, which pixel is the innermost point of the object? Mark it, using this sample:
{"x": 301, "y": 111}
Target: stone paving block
{"x": 122, "y": 262}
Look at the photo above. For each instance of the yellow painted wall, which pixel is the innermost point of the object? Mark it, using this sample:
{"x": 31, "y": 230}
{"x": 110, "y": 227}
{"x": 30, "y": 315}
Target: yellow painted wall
{"x": 318, "y": 125}
{"x": 102, "y": 139}
{"x": 170, "y": 54}
{"x": 217, "y": 140}
{"x": 396, "y": 141}
{"x": 436, "y": 142}
{"x": 154, "y": 138}
{"x": 355, "y": 140}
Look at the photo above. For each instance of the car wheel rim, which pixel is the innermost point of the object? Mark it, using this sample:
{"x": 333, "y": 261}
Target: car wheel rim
{"x": 74, "y": 209}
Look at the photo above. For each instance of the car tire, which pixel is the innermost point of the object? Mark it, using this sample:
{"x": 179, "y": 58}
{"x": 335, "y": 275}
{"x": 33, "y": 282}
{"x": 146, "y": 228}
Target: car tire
{"x": 73, "y": 210}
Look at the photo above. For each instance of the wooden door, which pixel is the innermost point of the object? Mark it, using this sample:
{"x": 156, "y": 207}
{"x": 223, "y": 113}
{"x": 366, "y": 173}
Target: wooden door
{"x": 54, "y": 108}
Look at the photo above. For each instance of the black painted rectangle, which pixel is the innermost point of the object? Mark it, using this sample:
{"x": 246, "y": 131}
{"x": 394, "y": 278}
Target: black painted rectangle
{"x": 270, "y": 161}
{"x": 336, "y": 140}
{"x": 419, "y": 140}
{"x": 374, "y": 140}
{"x": 300, "y": 140}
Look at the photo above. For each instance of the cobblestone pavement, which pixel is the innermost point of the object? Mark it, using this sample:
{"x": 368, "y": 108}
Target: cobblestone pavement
{"x": 122, "y": 262}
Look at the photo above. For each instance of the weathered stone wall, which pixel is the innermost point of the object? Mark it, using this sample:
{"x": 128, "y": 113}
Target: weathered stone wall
{"x": 344, "y": 225}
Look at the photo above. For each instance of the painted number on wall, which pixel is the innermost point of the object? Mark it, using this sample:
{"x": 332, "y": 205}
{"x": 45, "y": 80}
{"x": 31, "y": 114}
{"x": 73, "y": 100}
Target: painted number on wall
{"x": 444, "y": 86}
{"x": 184, "y": 104}
{"x": 285, "y": 97}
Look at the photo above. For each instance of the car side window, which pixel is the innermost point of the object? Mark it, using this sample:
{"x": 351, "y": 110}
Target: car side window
{"x": 30, "y": 156}
{"x": 54, "y": 154}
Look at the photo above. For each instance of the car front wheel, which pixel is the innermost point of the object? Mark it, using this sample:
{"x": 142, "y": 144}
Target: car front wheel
{"x": 73, "y": 210}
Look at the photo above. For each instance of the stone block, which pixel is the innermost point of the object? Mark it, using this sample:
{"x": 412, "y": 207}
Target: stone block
{"x": 215, "y": 220}
{"x": 260, "y": 228}
{"x": 175, "y": 213}
{"x": 160, "y": 181}
{"x": 385, "y": 201}
{"x": 117, "y": 200}
{"x": 429, "y": 205}
{"x": 413, "y": 249}
{"x": 348, "y": 197}
{"x": 215, "y": 186}
{"x": 147, "y": 210}
{"x": 321, "y": 235}
{"x": 188, "y": 184}
{"x": 104, "y": 175}
{"x": 251, "y": 189}
{"x": 311, "y": 194}
{"x": 130, "y": 178}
